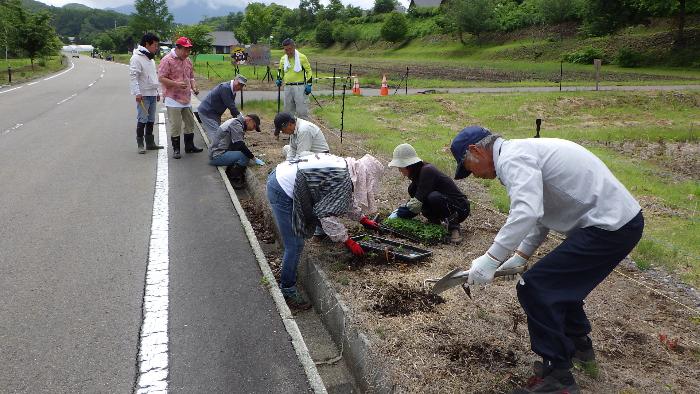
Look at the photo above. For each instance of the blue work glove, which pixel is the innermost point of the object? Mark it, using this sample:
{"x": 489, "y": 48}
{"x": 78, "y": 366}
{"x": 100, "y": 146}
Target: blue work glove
{"x": 278, "y": 82}
{"x": 482, "y": 270}
{"x": 394, "y": 214}
{"x": 259, "y": 162}
{"x": 307, "y": 89}
{"x": 405, "y": 213}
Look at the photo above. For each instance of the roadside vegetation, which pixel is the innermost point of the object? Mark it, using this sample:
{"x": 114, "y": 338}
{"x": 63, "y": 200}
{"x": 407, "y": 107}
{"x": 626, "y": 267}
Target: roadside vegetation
{"x": 22, "y": 68}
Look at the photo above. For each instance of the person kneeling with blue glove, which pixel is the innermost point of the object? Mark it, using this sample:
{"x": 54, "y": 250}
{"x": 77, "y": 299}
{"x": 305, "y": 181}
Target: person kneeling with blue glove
{"x": 433, "y": 193}
{"x": 228, "y": 148}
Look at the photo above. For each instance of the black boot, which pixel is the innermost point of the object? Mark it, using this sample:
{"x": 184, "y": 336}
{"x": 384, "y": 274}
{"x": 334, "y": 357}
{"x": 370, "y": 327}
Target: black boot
{"x": 189, "y": 144}
{"x": 176, "y": 146}
{"x": 236, "y": 175}
{"x": 150, "y": 141}
{"x": 139, "y": 136}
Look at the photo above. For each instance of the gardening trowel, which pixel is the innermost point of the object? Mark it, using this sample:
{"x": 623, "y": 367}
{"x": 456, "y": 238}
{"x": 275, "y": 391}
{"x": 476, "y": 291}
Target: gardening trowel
{"x": 458, "y": 277}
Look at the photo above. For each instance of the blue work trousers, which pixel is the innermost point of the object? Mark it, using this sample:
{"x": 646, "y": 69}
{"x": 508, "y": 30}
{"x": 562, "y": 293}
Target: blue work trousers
{"x": 283, "y": 209}
{"x": 552, "y": 291}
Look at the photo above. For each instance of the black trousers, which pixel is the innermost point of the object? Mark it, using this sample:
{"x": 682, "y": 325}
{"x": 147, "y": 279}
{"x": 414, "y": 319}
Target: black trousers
{"x": 553, "y": 290}
{"x": 438, "y": 207}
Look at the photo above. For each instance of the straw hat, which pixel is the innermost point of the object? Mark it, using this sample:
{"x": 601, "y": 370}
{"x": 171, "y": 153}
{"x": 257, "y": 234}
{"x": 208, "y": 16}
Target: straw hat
{"x": 404, "y": 155}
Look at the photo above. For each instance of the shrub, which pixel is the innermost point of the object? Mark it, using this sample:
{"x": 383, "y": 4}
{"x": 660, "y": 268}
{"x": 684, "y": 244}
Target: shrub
{"x": 395, "y": 27}
{"x": 346, "y": 34}
{"x": 510, "y": 15}
{"x": 324, "y": 33}
{"x": 628, "y": 58}
{"x": 585, "y": 55}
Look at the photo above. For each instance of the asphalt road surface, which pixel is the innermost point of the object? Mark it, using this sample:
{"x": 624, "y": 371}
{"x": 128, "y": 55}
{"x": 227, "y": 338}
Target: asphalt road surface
{"x": 76, "y": 210}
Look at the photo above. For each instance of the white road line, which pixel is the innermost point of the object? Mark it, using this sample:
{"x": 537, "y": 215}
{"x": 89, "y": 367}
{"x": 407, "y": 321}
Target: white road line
{"x": 72, "y": 65}
{"x": 9, "y": 90}
{"x": 66, "y": 99}
{"x": 13, "y": 128}
{"x": 32, "y": 83}
{"x": 153, "y": 349}
{"x": 92, "y": 83}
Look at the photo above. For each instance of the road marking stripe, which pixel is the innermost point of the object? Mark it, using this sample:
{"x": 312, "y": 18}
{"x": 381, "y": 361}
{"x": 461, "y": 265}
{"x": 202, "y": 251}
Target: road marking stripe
{"x": 32, "y": 83}
{"x": 66, "y": 99}
{"x": 15, "y": 127}
{"x": 72, "y": 65}
{"x": 9, "y": 90}
{"x": 153, "y": 349}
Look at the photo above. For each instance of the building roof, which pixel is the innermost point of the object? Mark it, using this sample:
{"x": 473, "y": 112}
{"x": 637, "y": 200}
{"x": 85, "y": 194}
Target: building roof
{"x": 224, "y": 39}
{"x": 425, "y": 3}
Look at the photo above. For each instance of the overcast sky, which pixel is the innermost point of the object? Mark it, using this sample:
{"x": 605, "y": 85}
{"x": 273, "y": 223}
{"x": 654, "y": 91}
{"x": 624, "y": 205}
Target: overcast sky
{"x": 211, "y": 3}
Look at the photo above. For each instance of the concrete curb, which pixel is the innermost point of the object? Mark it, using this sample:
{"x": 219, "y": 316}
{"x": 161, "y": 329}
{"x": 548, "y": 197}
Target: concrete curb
{"x": 370, "y": 374}
{"x": 290, "y": 324}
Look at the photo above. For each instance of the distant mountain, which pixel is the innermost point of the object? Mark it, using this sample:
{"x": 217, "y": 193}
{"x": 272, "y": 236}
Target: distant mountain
{"x": 191, "y": 13}
{"x": 77, "y": 20}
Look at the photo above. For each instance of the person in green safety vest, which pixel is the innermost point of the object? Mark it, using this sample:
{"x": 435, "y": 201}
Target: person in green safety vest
{"x": 295, "y": 73}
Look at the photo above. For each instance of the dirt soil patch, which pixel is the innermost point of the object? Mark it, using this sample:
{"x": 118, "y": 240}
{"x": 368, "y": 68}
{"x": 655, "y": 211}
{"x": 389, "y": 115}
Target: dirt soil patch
{"x": 453, "y": 344}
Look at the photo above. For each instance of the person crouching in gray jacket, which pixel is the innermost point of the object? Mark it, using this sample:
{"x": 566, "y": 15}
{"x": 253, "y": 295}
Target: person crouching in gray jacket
{"x": 227, "y": 145}
{"x": 222, "y": 97}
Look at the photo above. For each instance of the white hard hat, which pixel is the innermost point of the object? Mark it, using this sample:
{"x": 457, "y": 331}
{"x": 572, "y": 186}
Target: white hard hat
{"x": 404, "y": 155}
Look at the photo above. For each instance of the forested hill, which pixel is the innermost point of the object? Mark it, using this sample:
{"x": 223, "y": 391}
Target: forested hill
{"x": 77, "y": 20}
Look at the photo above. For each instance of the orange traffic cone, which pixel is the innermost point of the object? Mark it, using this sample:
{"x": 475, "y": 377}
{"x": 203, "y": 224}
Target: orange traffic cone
{"x": 356, "y": 88}
{"x": 384, "y": 91}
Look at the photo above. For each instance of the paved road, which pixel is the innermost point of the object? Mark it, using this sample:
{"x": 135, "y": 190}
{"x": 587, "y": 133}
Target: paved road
{"x": 76, "y": 208}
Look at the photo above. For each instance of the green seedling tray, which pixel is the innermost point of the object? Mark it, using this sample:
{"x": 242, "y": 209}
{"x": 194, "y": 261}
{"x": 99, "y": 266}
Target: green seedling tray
{"x": 399, "y": 250}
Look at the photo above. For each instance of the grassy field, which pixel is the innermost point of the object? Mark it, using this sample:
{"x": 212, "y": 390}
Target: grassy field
{"x": 601, "y": 121}
{"x": 22, "y": 69}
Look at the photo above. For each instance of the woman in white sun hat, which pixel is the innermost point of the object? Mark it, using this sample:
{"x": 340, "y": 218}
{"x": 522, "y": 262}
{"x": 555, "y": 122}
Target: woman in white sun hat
{"x": 432, "y": 193}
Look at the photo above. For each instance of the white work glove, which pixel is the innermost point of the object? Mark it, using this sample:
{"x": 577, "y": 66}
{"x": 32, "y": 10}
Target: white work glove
{"x": 259, "y": 162}
{"x": 394, "y": 214}
{"x": 513, "y": 262}
{"x": 482, "y": 270}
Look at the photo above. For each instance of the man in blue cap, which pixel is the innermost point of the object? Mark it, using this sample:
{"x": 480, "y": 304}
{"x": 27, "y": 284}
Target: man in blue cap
{"x": 553, "y": 184}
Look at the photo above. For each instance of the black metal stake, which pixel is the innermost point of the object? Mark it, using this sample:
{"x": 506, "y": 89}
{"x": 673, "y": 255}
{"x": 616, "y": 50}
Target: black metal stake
{"x": 9, "y": 74}
{"x": 406, "y": 80}
{"x": 241, "y": 91}
{"x": 316, "y": 70}
{"x": 279, "y": 89}
{"x": 208, "y": 70}
{"x": 561, "y": 73}
{"x": 538, "y": 123}
{"x": 333, "y": 95}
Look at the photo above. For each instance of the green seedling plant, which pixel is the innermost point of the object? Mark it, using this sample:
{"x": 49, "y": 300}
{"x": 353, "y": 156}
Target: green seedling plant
{"x": 426, "y": 232}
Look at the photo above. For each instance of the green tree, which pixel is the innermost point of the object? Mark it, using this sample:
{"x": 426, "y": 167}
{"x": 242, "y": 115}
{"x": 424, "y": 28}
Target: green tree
{"x": 395, "y": 27}
{"x": 104, "y": 42}
{"x": 332, "y": 11}
{"x": 9, "y": 14}
{"x": 201, "y": 38}
{"x": 153, "y": 16}
{"x": 471, "y": 16}
{"x": 35, "y": 35}
{"x": 324, "y": 33}
{"x": 384, "y": 6}
{"x": 557, "y": 11}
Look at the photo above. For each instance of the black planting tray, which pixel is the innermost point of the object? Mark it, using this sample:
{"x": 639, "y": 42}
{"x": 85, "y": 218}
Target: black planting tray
{"x": 398, "y": 250}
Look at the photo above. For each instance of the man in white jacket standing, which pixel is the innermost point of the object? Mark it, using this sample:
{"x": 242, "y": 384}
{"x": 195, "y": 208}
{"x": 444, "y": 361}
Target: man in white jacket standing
{"x": 145, "y": 86}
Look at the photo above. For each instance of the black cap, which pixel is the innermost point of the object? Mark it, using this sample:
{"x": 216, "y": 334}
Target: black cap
{"x": 256, "y": 120}
{"x": 468, "y": 136}
{"x": 282, "y": 119}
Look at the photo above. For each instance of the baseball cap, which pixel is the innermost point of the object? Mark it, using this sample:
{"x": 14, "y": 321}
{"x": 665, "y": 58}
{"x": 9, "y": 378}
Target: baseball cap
{"x": 281, "y": 120}
{"x": 183, "y": 42}
{"x": 256, "y": 119}
{"x": 470, "y": 135}
{"x": 241, "y": 79}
